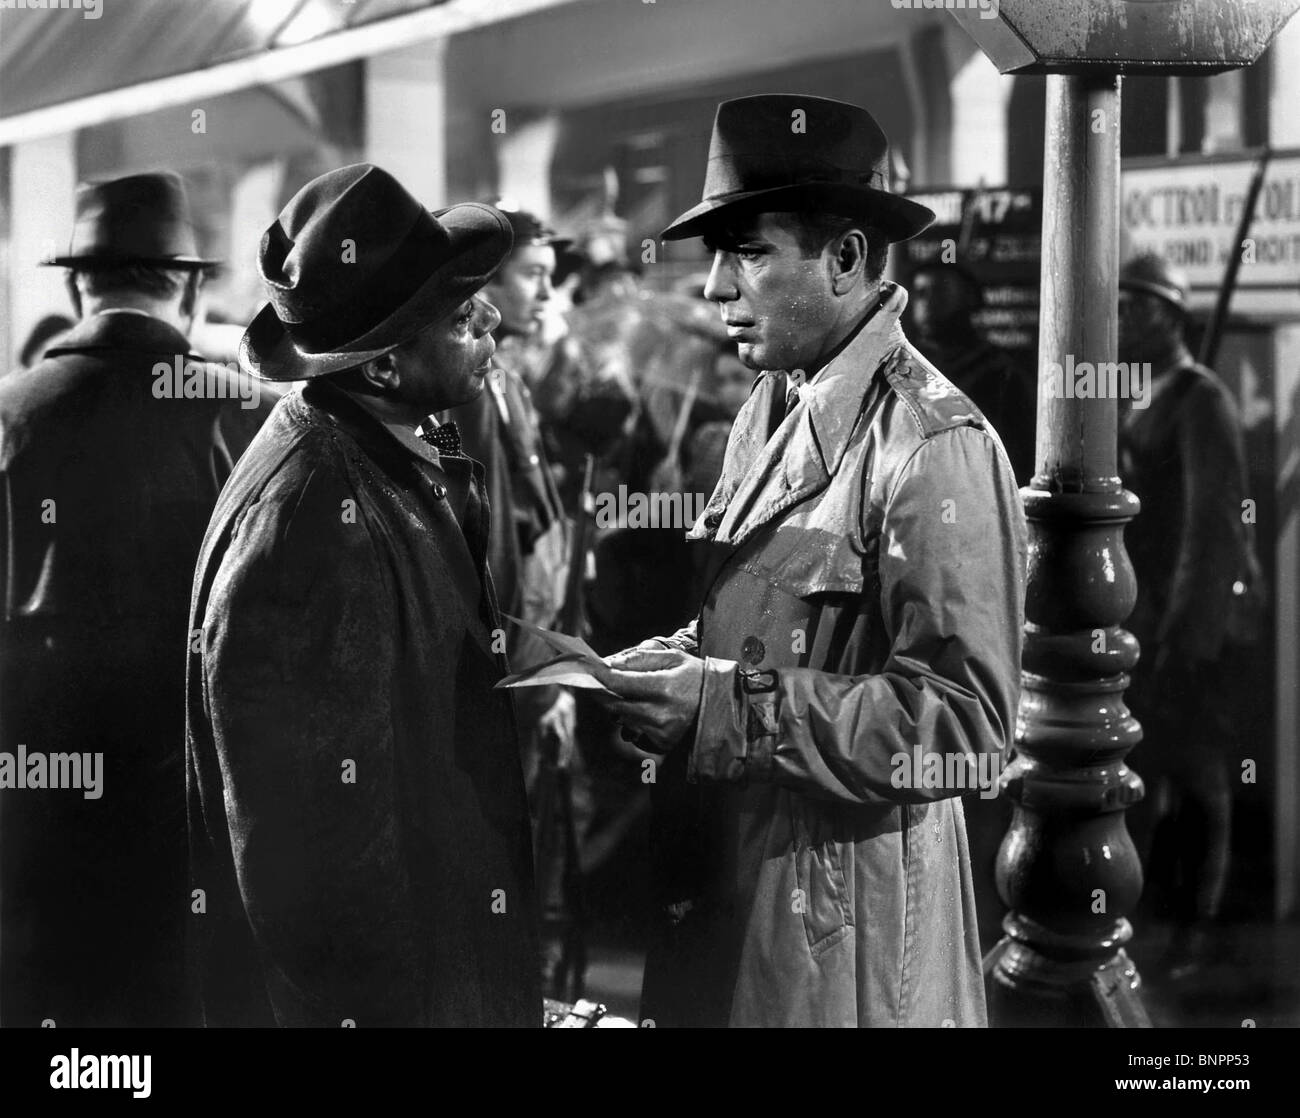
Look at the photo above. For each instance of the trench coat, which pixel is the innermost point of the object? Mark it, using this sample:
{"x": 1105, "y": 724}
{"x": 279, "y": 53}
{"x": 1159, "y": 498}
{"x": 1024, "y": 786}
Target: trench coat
{"x": 867, "y": 603}
{"x": 108, "y": 480}
{"x": 358, "y": 825}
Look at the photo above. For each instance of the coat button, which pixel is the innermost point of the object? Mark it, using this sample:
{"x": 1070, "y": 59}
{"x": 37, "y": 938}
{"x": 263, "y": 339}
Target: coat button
{"x": 753, "y": 651}
{"x": 439, "y": 490}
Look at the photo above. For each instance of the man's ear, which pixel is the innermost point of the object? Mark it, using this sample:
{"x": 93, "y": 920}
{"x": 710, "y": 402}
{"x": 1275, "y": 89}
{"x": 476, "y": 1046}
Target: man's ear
{"x": 849, "y": 261}
{"x": 74, "y": 292}
{"x": 190, "y": 294}
{"x": 382, "y": 373}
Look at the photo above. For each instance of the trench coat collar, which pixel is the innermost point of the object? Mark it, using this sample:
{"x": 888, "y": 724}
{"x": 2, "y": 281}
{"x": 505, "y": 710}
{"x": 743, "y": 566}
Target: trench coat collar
{"x": 123, "y": 331}
{"x": 762, "y": 477}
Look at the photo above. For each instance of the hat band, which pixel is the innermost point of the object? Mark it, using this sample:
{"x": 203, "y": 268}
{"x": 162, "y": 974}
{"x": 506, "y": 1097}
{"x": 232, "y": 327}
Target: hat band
{"x": 407, "y": 269}
{"x": 728, "y": 174}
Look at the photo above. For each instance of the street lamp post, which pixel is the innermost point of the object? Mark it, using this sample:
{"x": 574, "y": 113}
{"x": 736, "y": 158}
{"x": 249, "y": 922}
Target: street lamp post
{"x": 1067, "y": 869}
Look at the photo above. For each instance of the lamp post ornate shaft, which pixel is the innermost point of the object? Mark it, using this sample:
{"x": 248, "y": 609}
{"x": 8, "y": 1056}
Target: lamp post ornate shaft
{"x": 1067, "y": 868}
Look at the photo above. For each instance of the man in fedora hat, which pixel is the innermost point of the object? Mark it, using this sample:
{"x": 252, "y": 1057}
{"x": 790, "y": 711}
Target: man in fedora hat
{"x": 109, "y": 475}
{"x": 358, "y": 828}
{"x": 854, "y": 667}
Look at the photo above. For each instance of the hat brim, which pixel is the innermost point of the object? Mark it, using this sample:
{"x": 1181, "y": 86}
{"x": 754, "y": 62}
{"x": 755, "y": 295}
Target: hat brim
{"x": 90, "y": 262}
{"x": 899, "y": 217}
{"x": 481, "y": 241}
{"x": 1170, "y": 295}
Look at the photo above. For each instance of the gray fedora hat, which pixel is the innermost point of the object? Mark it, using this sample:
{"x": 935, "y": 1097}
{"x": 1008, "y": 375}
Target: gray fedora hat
{"x": 139, "y": 219}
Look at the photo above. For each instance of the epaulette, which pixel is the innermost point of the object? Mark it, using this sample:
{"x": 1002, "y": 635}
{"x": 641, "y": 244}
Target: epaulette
{"x": 933, "y": 401}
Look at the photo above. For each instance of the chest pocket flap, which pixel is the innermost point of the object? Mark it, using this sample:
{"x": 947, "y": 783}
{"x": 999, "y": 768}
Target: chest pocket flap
{"x": 804, "y": 560}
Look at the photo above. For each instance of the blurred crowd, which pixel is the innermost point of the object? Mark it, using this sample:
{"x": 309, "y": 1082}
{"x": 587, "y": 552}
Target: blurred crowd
{"x": 602, "y": 382}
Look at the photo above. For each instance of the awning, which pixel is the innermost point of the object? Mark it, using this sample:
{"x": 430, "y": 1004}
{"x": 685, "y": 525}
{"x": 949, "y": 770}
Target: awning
{"x": 68, "y": 64}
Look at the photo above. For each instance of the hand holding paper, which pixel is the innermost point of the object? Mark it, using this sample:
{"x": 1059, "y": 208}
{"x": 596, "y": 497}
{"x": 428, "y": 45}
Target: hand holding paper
{"x": 577, "y": 665}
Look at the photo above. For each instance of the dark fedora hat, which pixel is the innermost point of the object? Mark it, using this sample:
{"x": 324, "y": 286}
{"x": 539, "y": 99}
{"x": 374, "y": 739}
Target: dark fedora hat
{"x": 833, "y": 158}
{"x": 140, "y": 219}
{"x": 355, "y": 266}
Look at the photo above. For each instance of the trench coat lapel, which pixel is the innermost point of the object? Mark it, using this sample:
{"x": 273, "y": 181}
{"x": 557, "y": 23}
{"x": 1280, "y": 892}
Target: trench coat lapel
{"x": 762, "y": 477}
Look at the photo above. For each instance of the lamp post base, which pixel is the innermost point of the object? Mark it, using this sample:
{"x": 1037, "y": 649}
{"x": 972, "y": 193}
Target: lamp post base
{"x": 1026, "y": 989}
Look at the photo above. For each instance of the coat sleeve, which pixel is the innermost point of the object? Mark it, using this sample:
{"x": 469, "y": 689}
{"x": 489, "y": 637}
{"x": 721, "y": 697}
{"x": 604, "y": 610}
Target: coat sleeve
{"x": 952, "y": 562}
{"x": 686, "y": 639}
{"x": 300, "y": 650}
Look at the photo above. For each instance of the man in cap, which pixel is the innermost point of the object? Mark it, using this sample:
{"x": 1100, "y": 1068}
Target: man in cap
{"x": 1181, "y": 454}
{"x": 855, "y": 664}
{"x": 113, "y": 449}
{"x": 359, "y": 834}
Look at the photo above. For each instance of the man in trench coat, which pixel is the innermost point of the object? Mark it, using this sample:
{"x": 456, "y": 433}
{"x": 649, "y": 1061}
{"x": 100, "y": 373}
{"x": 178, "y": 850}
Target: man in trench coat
{"x": 359, "y": 835}
{"x": 862, "y": 630}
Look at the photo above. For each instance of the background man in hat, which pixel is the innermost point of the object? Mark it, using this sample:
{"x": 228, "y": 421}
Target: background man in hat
{"x": 500, "y": 428}
{"x": 109, "y": 475}
{"x": 526, "y": 552}
{"x": 866, "y": 616}
{"x": 1182, "y": 456}
{"x": 357, "y": 812}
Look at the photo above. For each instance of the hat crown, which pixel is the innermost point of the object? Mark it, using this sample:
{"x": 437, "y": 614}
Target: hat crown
{"x": 777, "y": 140}
{"x": 336, "y": 235}
{"x": 142, "y": 218}
{"x": 354, "y": 266}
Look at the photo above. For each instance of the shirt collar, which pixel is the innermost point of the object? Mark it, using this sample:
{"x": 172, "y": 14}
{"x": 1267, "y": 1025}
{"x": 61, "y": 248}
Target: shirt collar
{"x": 400, "y": 433}
{"x": 124, "y": 310}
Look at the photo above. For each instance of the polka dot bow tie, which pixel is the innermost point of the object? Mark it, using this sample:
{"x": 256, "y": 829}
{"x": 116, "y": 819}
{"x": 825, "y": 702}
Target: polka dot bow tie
{"x": 445, "y": 439}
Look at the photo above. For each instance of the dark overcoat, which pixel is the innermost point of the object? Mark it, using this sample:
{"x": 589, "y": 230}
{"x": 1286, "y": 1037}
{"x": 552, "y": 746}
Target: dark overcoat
{"x": 358, "y": 825}
{"x": 109, "y": 469}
